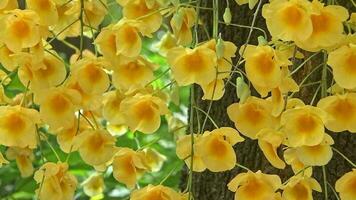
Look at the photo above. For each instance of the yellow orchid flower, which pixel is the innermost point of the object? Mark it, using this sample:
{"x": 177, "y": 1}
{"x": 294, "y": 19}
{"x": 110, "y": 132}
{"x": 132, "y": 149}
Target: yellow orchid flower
{"x": 257, "y": 186}
{"x": 23, "y": 157}
{"x": 288, "y": 20}
{"x": 128, "y": 166}
{"x": 341, "y": 109}
{"x": 304, "y": 125}
{"x": 142, "y": 112}
{"x": 192, "y": 65}
{"x": 55, "y": 182}
{"x": 96, "y": 147}
{"x": 252, "y": 116}
{"x": 158, "y": 192}
{"x": 18, "y": 126}
{"x": 216, "y": 148}
{"x": 345, "y": 185}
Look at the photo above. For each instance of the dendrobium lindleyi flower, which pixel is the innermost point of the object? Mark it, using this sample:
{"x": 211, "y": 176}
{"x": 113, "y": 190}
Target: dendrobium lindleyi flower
{"x": 257, "y": 186}
{"x": 345, "y": 185}
{"x": 18, "y": 126}
{"x": 215, "y": 148}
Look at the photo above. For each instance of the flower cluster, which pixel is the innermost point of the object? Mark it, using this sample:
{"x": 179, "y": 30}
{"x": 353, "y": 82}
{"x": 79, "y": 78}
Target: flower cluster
{"x": 80, "y": 98}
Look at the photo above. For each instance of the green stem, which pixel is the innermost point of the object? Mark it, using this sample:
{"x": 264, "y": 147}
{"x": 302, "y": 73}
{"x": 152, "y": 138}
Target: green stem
{"x": 243, "y": 167}
{"x": 169, "y": 174}
{"x": 81, "y": 44}
{"x": 325, "y": 183}
{"x": 244, "y": 26}
{"x": 191, "y": 128}
{"x": 208, "y": 116}
{"x": 342, "y": 155}
{"x": 303, "y": 63}
{"x": 76, "y": 133}
{"x": 215, "y": 18}
{"x": 315, "y": 95}
{"x": 324, "y": 77}
{"x": 333, "y": 190}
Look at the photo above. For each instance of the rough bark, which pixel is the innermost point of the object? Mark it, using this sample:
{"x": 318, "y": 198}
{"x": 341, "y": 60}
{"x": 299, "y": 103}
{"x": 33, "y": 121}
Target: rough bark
{"x": 212, "y": 186}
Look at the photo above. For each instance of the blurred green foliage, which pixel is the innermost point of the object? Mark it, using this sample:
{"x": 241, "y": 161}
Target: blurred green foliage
{"x": 12, "y": 186}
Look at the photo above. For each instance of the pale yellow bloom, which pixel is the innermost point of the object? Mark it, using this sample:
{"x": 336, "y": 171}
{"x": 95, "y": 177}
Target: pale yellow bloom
{"x": 46, "y": 9}
{"x": 184, "y": 152}
{"x": 288, "y": 20}
{"x": 55, "y": 182}
{"x": 41, "y": 73}
{"x": 269, "y": 140}
{"x": 133, "y": 75}
{"x": 18, "y": 126}
{"x": 167, "y": 42}
{"x": 128, "y": 40}
{"x": 94, "y": 185}
{"x": 20, "y": 29}
{"x": 181, "y": 23}
{"x": 291, "y": 158}
{"x": 153, "y": 159}
{"x": 111, "y": 107}
{"x": 328, "y": 26}
{"x": 145, "y": 12}
{"x": 89, "y": 101}
{"x": 23, "y": 157}
{"x": 6, "y": 5}
{"x": 300, "y": 188}
{"x": 304, "y": 125}
{"x": 158, "y": 192}
{"x": 142, "y": 112}
{"x": 128, "y": 166}
{"x": 317, "y": 155}
{"x": 106, "y": 41}
{"x": 257, "y": 186}
{"x": 343, "y": 63}
{"x": 58, "y": 106}
{"x": 68, "y": 24}
{"x": 263, "y": 67}
{"x": 216, "y": 148}
{"x": 214, "y": 90}
{"x": 66, "y": 136}
{"x": 345, "y": 185}
{"x": 251, "y": 116}
{"x": 95, "y": 147}
{"x": 192, "y": 65}
{"x": 90, "y": 75}
{"x": 341, "y": 109}
{"x": 7, "y": 59}
{"x": 224, "y": 63}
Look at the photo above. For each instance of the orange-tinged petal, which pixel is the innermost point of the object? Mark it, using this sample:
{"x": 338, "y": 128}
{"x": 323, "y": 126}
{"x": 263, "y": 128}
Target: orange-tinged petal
{"x": 192, "y": 66}
{"x": 341, "y": 109}
{"x": 345, "y": 185}
{"x": 251, "y": 116}
{"x": 303, "y": 125}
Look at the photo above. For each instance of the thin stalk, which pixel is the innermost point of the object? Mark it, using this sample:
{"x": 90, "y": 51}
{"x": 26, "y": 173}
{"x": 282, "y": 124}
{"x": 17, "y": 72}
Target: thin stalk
{"x": 315, "y": 95}
{"x": 347, "y": 159}
{"x": 244, "y": 26}
{"x": 76, "y": 133}
{"x": 325, "y": 183}
{"x": 333, "y": 190}
{"x": 208, "y": 116}
{"x": 243, "y": 167}
{"x": 303, "y": 63}
{"x": 324, "y": 74}
{"x": 81, "y": 44}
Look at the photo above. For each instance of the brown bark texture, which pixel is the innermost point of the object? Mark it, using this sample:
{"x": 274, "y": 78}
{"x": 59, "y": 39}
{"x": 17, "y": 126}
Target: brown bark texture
{"x": 212, "y": 186}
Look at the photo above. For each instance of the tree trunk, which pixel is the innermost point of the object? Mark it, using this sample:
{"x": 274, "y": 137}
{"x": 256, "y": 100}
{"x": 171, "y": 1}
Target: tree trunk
{"x": 212, "y": 186}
